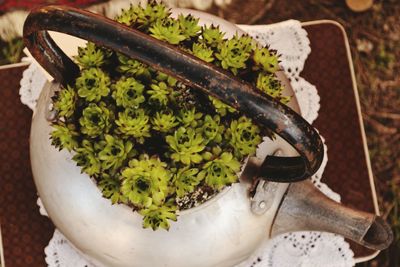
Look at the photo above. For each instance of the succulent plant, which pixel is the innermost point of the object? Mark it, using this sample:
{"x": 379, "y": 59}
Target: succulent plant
{"x": 168, "y": 30}
{"x": 244, "y": 136}
{"x": 143, "y": 17}
{"x": 145, "y": 182}
{"x": 134, "y": 123}
{"x": 187, "y": 145}
{"x": 114, "y": 152}
{"x": 93, "y": 84}
{"x": 189, "y": 117}
{"x": 149, "y": 140}
{"x": 95, "y": 120}
{"x": 159, "y": 93}
{"x": 128, "y": 92}
{"x": 158, "y": 217}
{"x": 212, "y": 129}
{"x": 164, "y": 122}
{"x": 189, "y": 26}
{"x": 186, "y": 179}
{"x": 220, "y": 171}
{"x": 220, "y": 107}
{"x": 86, "y": 158}
{"x": 212, "y": 36}
{"x": 270, "y": 85}
{"x": 91, "y": 56}
{"x": 266, "y": 59}
{"x": 64, "y": 136}
{"x": 64, "y": 102}
{"x": 234, "y": 53}
{"x": 128, "y": 16}
{"x": 110, "y": 186}
{"x": 203, "y": 52}
{"x": 132, "y": 67}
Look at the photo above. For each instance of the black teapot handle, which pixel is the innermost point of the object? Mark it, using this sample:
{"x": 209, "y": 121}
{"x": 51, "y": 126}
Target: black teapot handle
{"x": 186, "y": 68}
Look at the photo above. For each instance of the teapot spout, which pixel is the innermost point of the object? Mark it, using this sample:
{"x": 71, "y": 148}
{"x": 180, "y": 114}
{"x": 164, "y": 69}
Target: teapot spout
{"x": 305, "y": 208}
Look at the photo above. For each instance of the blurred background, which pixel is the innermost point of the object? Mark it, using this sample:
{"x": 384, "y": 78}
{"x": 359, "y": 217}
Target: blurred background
{"x": 373, "y": 29}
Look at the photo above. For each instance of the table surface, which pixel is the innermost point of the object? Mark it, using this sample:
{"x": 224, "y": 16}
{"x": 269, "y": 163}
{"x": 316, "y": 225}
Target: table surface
{"x": 26, "y": 232}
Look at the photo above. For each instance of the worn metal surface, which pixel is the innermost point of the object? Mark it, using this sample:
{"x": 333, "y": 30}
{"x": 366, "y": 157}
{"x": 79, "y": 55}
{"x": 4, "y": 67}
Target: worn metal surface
{"x": 183, "y": 66}
{"x": 305, "y": 208}
{"x": 263, "y": 198}
{"x": 78, "y": 209}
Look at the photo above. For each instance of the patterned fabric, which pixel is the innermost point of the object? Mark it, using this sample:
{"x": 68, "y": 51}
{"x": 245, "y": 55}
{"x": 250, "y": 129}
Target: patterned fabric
{"x": 25, "y": 232}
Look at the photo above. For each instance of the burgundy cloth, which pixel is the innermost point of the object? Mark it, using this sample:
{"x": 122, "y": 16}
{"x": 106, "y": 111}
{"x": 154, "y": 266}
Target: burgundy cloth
{"x": 26, "y": 232}
{"x": 328, "y": 69}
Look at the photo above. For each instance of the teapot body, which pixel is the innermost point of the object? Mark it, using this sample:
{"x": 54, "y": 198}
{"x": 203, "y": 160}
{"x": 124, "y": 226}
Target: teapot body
{"x": 222, "y": 231}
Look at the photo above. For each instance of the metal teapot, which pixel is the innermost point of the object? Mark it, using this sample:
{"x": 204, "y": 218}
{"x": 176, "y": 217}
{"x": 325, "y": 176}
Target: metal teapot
{"x": 224, "y": 230}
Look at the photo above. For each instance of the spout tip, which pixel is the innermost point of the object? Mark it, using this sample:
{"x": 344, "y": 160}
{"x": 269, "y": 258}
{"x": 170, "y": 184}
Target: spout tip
{"x": 379, "y": 235}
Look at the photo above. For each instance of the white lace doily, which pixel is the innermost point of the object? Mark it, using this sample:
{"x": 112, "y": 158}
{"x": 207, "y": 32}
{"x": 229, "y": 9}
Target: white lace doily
{"x": 60, "y": 253}
{"x": 31, "y": 83}
{"x": 302, "y": 249}
{"x": 291, "y": 42}
{"x": 292, "y": 249}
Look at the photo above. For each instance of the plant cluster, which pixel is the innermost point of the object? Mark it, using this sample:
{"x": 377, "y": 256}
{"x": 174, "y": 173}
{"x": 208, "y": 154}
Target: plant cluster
{"x": 11, "y": 51}
{"x": 146, "y": 138}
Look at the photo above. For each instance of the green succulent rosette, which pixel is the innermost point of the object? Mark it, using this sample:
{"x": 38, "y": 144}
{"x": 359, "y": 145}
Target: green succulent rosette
{"x": 110, "y": 186}
{"x": 186, "y": 179}
{"x": 212, "y": 36}
{"x": 234, "y": 53}
{"x": 156, "y": 217}
{"x": 93, "y": 84}
{"x": 145, "y": 181}
{"x": 114, "y": 152}
{"x": 147, "y": 139}
{"x": 164, "y": 122}
{"x": 189, "y": 26}
{"x": 266, "y": 59}
{"x": 95, "y": 120}
{"x": 64, "y": 102}
{"x": 133, "y": 68}
{"x": 203, "y": 52}
{"x": 64, "y": 136}
{"x": 189, "y": 117}
{"x": 167, "y": 30}
{"x": 244, "y": 136}
{"x": 186, "y": 145}
{"x": 128, "y": 92}
{"x": 91, "y": 56}
{"x": 212, "y": 129}
{"x": 133, "y": 123}
{"x": 86, "y": 158}
{"x": 159, "y": 93}
{"x": 220, "y": 171}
